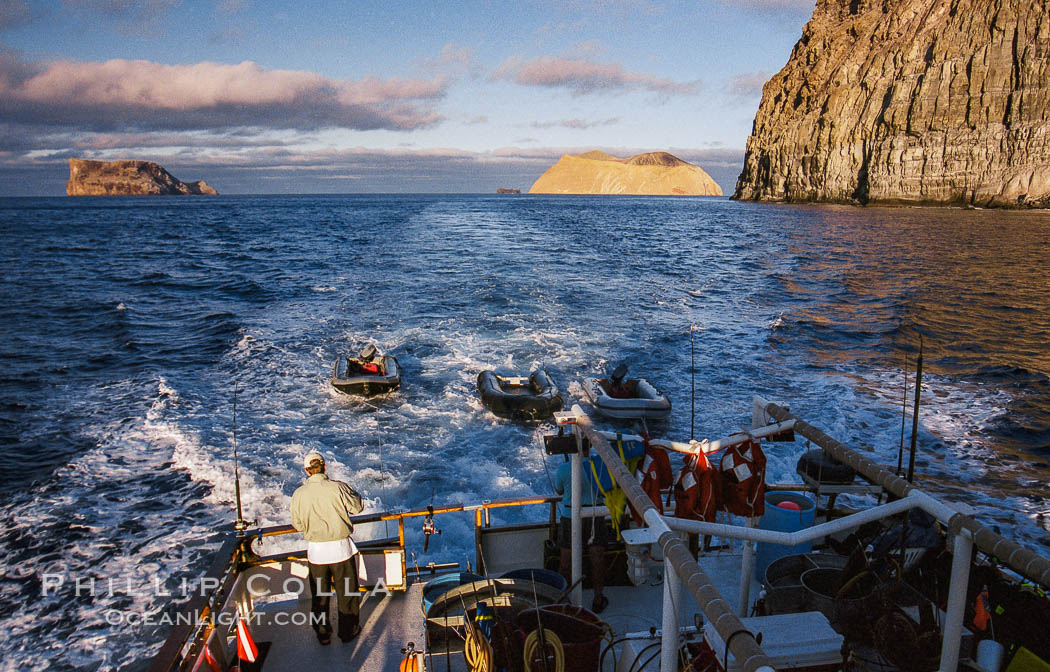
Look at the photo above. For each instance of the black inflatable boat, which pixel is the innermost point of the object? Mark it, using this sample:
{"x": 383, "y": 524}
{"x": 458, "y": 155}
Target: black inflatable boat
{"x": 368, "y": 374}
{"x": 518, "y": 398}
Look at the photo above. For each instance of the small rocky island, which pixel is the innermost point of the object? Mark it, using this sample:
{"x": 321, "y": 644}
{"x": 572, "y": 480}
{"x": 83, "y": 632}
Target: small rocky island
{"x": 912, "y": 101}
{"x": 651, "y": 174}
{"x": 128, "y": 178}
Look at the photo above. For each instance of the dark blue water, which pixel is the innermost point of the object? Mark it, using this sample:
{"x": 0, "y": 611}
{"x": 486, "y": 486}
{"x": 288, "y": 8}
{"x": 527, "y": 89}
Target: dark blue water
{"x": 128, "y": 325}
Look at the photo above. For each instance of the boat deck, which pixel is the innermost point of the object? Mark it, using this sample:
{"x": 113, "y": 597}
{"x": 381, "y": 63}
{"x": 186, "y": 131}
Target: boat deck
{"x": 389, "y": 623}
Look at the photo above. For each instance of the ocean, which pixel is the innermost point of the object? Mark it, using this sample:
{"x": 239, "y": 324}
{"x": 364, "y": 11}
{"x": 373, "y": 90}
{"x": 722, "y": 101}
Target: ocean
{"x": 131, "y": 327}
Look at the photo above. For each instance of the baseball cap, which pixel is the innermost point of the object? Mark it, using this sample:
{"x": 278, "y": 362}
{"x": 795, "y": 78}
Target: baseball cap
{"x": 311, "y": 457}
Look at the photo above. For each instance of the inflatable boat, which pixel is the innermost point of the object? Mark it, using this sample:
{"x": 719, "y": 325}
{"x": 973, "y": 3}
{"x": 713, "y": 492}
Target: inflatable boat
{"x": 368, "y": 374}
{"x": 632, "y": 398}
{"x": 519, "y": 398}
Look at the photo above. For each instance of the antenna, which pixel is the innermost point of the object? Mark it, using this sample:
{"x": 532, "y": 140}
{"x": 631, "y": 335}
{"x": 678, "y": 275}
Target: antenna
{"x": 241, "y": 525}
{"x": 692, "y": 372}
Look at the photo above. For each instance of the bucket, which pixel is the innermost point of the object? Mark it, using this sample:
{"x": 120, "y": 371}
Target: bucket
{"x": 435, "y": 588}
{"x": 551, "y": 578}
{"x": 783, "y": 520}
{"x": 989, "y": 655}
{"x": 577, "y": 628}
{"x": 848, "y": 607}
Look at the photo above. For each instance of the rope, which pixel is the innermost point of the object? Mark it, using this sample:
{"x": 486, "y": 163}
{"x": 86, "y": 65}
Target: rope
{"x": 477, "y": 650}
{"x": 553, "y": 644}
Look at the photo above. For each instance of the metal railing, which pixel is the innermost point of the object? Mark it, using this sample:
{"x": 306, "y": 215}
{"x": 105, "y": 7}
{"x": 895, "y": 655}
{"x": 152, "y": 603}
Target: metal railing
{"x": 964, "y": 532}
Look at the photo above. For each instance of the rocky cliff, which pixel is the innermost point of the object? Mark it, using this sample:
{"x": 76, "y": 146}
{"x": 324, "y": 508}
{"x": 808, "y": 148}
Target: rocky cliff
{"x": 127, "y": 178}
{"x": 652, "y": 174}
{"x": 909, "y": 101}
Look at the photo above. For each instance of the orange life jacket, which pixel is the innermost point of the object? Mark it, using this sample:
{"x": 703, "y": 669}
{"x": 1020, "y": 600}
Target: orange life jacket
{"x": 698, "y": 492}
{"x": 743, "y": 471}
{"x": 982, "y": 613}
{"x": 369, "y": 367}
{"x": 654, "y": 475}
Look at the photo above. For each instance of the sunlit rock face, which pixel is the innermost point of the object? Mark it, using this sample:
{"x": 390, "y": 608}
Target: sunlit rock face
{"x": 127, "y": 178}
{"x": 909, "y": 101}
{"x": 652, "y": 174}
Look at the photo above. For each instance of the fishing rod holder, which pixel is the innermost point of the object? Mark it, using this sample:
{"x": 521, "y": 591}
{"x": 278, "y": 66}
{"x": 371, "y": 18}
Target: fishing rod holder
{"x": 429, "y": 527}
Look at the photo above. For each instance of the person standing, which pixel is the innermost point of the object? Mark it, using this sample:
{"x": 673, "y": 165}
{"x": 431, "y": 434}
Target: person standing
{"x": 321, "y": 510}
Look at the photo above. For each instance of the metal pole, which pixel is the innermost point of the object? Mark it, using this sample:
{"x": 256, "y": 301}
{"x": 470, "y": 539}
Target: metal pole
{"x": 577, "y": 526}
{"x": 672, "y": 603}
{"x": 962, "y": 550}
{"x": 747, "y": 565}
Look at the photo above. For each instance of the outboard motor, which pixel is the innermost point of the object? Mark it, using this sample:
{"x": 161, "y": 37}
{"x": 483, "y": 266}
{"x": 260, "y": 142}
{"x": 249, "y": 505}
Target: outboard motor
{"x": 368, "y": 353}
{"x": 617, "y": 376}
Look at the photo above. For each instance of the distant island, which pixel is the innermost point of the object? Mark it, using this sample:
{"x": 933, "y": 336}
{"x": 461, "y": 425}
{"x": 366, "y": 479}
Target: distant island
{"x": 128, "y": 178}
{"x": 501, "y": 190}
{"x": 651, "y": 174}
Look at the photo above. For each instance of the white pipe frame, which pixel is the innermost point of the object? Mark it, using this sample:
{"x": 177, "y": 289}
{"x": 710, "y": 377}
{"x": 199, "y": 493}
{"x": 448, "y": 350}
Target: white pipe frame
{"x": 962, "y": 542}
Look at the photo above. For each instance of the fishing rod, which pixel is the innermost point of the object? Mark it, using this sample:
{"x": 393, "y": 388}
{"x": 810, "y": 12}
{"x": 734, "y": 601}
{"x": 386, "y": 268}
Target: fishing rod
{"x": 904, "y": 416}
{"x": 915, "y": 414}
{"x": 241, "y": 525}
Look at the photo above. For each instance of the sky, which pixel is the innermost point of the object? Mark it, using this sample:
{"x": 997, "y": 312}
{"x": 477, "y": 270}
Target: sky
{"x": 255, "y": 96}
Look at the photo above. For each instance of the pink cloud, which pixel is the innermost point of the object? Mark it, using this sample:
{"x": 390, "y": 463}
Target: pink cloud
{"x": 576, "y": 124}
{"x": 747, "y": 85}
{"x": 783, "y": 5}
{"x": 583, "y": 77}
{"x": 153, "y": 96}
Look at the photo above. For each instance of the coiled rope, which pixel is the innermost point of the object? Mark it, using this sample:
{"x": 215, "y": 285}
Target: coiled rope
{"x": 477, "y": 650}
{"x": 533, "y": 653}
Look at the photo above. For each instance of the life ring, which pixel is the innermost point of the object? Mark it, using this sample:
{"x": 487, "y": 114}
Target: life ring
{"x": 824, "y": 469}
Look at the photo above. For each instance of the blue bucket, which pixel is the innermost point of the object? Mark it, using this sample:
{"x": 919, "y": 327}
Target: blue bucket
{"x": 783, "y": 520}
{"x": 435, "y": 588}
{"x": 553, "y": 579}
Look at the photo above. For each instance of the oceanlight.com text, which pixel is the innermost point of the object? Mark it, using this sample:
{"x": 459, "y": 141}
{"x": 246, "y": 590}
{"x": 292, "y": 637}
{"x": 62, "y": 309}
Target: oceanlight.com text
{"x": 279, "y": 618}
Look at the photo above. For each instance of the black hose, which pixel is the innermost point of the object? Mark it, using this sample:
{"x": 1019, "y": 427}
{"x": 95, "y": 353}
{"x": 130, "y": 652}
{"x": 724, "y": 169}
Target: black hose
{"x": 601, "y": 658}
{"x": 647, "y": 661}
{"x": 638, "y": 657}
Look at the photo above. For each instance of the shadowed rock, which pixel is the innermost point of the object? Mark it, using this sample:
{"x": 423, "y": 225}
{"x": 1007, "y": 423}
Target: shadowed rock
{"x": 911, "y": 101}
{"x": 127, "y": 178}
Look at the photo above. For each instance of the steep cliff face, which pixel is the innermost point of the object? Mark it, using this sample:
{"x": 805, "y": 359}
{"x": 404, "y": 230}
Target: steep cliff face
{"x": 909, "y": 101}
{"x": 652, "y": 174}
{"x": 127, "y": 178}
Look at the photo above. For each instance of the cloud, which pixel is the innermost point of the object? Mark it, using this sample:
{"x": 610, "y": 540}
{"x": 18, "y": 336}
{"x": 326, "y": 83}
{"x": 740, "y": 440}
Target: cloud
{"x": 747, "y": 86}
{"x": 578, "y": 124}
{"x": 143, "y": 95}
{"x": 776, "y": 5}
{"x": 453, "y": 55}
{"x": 581, "y": 77}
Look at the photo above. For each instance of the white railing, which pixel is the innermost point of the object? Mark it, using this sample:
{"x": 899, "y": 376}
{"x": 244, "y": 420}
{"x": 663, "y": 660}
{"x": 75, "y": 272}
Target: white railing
{"x": 962, "y": 531}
